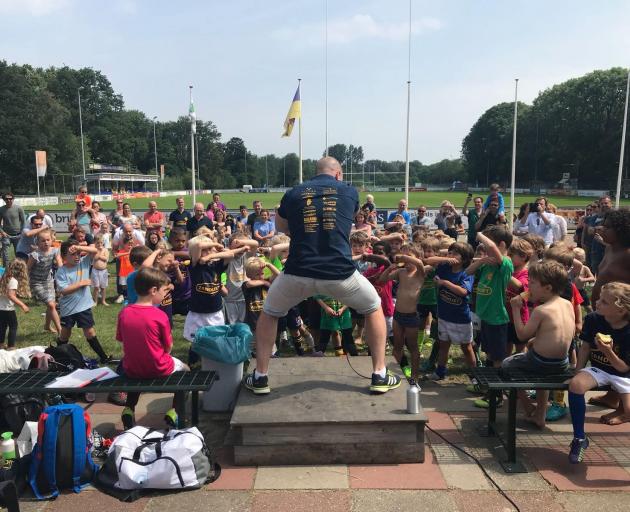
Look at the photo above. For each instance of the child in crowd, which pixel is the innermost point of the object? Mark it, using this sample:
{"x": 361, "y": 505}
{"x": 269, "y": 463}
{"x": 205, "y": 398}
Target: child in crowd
{"x": 137, "y": 255}
{"x": 107, "y": 236}
{"x": 13, "y": 285}
{"x": 164, "y": 260}
{"x": 335, "y": 317}
{"x": 384, "y": 289}
{"x": 550, "y": 330}
{"x": 207, "y": 263}
{"x": 427, "y": 304}
{"x": 145, "y": 334}
{"x": 454, "y": 287}
{"x": 177, "y": 241}
{"x": 582, "y": 277}
{"x": 40, "y": 268}
{"x": 360, "y": 246}
{"x": 410, "y": 277}
{"x": 99, "y": 271}
{"x": 538, "y": 243}
{"x": 236, "y": 276}
{"x": 254, "y": 290}
{"x": 263, "y": 229}
{"x": 75, "y": 304}
{"x": 495, "y": 195}
{"x": 606, "y": 337}
{"x": 520, "y": 252}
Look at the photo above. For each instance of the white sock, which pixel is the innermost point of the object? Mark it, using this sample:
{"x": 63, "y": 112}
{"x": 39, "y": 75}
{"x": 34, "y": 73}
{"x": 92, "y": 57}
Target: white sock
{"x": 257, "y": 374}
{"x": 382, "y": 372}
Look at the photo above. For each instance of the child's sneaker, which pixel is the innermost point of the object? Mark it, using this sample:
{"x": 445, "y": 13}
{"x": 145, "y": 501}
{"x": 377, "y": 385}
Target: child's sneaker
{"x": 339, "y": 352}
{"x": 171, "y": 418}
{"x": 474, "y": 388}
{"x": 556, "y": 412}
{"x": 577, "y": 449}
{"x": 128, "y": 418}
{"x": 435, "y": 376}
{"x": 259, "y": 386}
{"x": 384, "y": 384}
{"x": 484, "y": 402}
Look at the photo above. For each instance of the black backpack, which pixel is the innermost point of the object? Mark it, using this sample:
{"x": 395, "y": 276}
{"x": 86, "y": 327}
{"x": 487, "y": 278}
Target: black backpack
{"x": 17, "y": 409}
{"x": 67, "y": 358}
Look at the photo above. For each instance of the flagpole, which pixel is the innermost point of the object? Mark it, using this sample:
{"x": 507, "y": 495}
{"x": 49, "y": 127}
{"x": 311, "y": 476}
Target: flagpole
{"x": 513, "y": 184}
{"x": 300, "y": 130}
{"x": 192, "y": 150}
{"x": 326, "y": 75}
{"x": 408, "y": 110}
{"x": 623, "y": 144}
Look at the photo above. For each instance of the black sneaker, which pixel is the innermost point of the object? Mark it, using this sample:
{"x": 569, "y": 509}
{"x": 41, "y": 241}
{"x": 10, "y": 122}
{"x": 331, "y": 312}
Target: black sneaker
{"x": 117, "y": 398}
{"x": 384, "y": 384}
{"x": 259, "y": 386}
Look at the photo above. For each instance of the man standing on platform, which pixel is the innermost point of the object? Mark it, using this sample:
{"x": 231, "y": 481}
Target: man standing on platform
{"x": 12, "y": 221}
{"x": 318, "y": 216}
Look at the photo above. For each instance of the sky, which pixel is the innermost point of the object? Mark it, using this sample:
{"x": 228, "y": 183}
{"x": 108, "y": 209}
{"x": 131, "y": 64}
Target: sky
{"x": 244, "y": 58}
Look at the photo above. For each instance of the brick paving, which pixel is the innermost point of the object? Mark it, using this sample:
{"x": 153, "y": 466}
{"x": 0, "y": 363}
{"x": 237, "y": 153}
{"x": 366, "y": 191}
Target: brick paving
{"x": 447, "y": 480}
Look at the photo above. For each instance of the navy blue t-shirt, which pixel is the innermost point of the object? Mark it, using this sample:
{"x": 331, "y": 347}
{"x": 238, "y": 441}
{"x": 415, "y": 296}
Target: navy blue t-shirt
{"x": 595, "y": 323}
{"x": 320, "y": 213}
{"x": 451, "y": 306}
{"x": 206, "y": 287}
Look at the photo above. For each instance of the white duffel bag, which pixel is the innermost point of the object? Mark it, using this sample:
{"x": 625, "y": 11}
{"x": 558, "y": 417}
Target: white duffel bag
{"x": 150, "y": 459}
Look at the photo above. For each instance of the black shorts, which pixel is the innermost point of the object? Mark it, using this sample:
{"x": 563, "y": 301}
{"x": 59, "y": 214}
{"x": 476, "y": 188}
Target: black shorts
{"x": 512, "y": 337}
{"x": 82, "y": 319}
{"x": 494, "y": 340}
{"x": 407, "y": 319}
{"x": 355, "y": 315}
{"x": 180, "y": 307}
{"x": 294, "y": 320}
{"x": 425, "y": 309}
{"x": 314, "y": 314}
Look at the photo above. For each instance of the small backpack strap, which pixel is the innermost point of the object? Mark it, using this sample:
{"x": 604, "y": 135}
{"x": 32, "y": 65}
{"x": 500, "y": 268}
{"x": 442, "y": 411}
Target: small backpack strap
{"x": 80, "y": 445}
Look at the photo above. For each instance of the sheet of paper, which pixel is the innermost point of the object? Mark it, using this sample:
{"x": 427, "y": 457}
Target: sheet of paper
{"x": 82, "y": 377}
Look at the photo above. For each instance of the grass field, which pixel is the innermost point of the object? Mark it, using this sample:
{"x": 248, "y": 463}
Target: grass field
{"x": 382, "y": 199}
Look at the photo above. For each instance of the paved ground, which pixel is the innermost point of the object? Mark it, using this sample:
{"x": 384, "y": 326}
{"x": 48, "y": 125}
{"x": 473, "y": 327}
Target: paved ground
{"x": 447, "y": 481}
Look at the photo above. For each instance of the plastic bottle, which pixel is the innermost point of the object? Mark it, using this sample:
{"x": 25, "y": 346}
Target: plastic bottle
{"x": 7, "y": 446}
{"x": 413, "y": 399}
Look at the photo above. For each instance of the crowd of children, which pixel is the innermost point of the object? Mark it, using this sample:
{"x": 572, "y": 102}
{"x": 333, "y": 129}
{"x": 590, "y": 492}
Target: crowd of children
{"x": 511, "y": 298}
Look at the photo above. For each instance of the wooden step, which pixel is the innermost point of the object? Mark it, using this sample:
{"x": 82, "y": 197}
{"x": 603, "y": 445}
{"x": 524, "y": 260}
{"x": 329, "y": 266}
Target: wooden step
{"x": 320, "y": 411}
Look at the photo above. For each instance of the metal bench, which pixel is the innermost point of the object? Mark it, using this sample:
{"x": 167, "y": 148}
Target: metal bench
{"x": 34, "y": 382}
{"x": 495, "y": 381}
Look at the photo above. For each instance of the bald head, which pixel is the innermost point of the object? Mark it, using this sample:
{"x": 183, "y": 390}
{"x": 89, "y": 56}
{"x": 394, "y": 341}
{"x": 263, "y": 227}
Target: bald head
{"x": 329, "y": 165}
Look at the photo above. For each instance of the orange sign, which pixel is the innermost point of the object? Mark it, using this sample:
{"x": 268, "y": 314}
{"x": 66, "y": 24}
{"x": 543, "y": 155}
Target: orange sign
{"x": 40, "y": 163}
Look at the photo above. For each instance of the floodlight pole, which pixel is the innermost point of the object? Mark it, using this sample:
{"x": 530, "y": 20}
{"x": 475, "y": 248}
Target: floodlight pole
{"x": 623, "y": 144}
{"x": 81, "y": 129}
{"x": 513, "y": 184}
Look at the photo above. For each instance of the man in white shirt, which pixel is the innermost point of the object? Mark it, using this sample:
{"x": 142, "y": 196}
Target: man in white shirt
{"x": 539, "y": 222}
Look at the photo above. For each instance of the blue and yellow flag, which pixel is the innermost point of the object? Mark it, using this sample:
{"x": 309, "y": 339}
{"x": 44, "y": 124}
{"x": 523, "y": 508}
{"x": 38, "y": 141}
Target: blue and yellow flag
{"x": 295, "y": 112}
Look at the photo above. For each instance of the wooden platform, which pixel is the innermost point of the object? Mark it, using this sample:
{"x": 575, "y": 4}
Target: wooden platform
{"x": 320, "y": 412}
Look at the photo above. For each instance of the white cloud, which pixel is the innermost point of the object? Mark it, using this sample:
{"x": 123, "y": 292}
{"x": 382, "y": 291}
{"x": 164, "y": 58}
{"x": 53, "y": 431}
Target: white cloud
{"x": 32, "y": 7}
{"x": 359, "y": 26}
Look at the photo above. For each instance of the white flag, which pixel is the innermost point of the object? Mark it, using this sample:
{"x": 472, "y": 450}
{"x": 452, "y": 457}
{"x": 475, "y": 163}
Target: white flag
{"x": 193, "y": 116}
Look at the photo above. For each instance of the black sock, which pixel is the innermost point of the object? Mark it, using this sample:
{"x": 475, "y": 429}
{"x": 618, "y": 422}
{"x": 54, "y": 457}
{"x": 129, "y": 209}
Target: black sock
{"x": 404, "y": 361}
{"x": 96, "y": 347}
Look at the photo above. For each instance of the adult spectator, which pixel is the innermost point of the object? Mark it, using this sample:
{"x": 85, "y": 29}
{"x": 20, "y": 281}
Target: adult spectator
{"x": 153, "y": 218}
{"x": 518, "y": 228}
{"x": 12, "y": 221}
{"x": 242, "y": 214}
{"x": 178, "y": 218}
{"x": 217, "y": 203}
{"x": 41, "y": 213}
{"x": 264, "y": 228}
{"x": 320, "y": 262}
{"x": 422, "y": 219}
{"x": 114, "y": 216}
{"x": 579, "y": 228}
{"x": 28, "y": 240}
{"x": 83, "y": 196}
{"x": 588, "y": 234}
{"x": 83, "y": 213}
{"x": 128, "y": 216}
{"x": 539, "y": 222}
{"x": 559, "y": 223}
{"x": 489, "y": 217}
{"x": 220, "y": 221}
{"x": 598, "y": 248}
{"x": 402, "y": 211}
{"x": 448, "y": 220}
{"x": 98, "y": 216}
{"x": 197, "y": 220}
{"x": 210, "y": 211}
{"x": 125, "y": 234}
{"x": 473, "y": 216}
{"x": 254, "y": 217}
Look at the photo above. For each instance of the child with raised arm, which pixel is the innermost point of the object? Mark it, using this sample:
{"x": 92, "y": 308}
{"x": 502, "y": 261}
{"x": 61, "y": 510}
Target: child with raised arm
{"x": 75, "y": 304}
{"x": 236, "y": 276}
{"x": 40, "y": 268}
{"x": 99, "y": 271}
{"x": 164, "y": 260}
{"x": 13, "y": 285}
{"x": 454, "y": 287}
{"x": 549, "y": 330}
{"x": 582, "y": 277}
{"x": 410, "y": 277}
{"x": 606, "y": 336}
{"x": 427, "y": 305}
{"x": 145, "y": 334}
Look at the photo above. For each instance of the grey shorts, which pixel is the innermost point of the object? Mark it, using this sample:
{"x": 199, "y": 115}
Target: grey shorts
{"x": 43, "y": 292}
{"x": 531, "y": 362}
{"x": 287, "y": 290}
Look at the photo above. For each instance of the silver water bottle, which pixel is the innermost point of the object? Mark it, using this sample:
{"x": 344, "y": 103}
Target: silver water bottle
{"x": 413, "y": 399}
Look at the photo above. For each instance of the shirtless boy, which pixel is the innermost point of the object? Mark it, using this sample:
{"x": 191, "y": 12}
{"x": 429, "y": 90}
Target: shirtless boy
{"x": 409, "y": 272}
{"x": 99, "y": 271}
{"x": 549, "y": 330}
{"x": 615, "y": 266}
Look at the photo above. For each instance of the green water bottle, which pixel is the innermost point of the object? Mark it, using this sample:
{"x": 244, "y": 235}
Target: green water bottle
{"x": 7, "y": 446}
